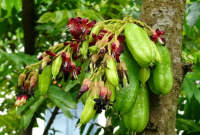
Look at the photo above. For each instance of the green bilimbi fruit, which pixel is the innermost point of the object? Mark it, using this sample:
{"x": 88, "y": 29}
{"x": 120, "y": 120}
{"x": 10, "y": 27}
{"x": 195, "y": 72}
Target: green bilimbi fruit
{"x": 84, "y": 48}
{"x": 111, "y": 71}
{"x": 140, "y": 45}
{"x": 45, "y": 80}
{"x": 56, "y": 66}
{"x": 158, "y": 57}
{"x": 144, "y": 74}
{"x": 126, "y": 97}
{"x": 89, "y": 111}
{"x": 95, "y": 30}
{"x": 112, "y": 88}
{"x": 136, "y": 120}
{"x": 161, "y": 78}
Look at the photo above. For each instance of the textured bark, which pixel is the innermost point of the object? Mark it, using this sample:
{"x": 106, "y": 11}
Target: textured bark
{"x": 166, "y": 15}
{"x": 28, "y": 25}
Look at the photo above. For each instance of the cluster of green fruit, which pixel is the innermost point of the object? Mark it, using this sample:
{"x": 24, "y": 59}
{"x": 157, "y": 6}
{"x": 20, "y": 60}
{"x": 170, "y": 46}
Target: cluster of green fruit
{"x": 122, "y": 57}
{"x": 140, "y": 61}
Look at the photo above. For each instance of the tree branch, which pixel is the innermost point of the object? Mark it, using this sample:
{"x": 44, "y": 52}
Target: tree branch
{"x": 55, "y": 112}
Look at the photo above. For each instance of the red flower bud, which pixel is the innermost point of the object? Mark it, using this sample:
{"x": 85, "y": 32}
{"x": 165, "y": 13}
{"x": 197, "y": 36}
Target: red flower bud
{"x": 42, "y": 56}
{"x": 109, "y": 94}
{"x": 32, "y": 73}
{"x": 103, "y": 92}
{"x": 26, "y": 84}
{"x": 100, "y": 84}
{"x": 22, "y": 77}
{"x": 23, "y": 99}
{"x": 95, "y": 91}
{"x": 94, "y": 58}
{"x": 45, "y": 60}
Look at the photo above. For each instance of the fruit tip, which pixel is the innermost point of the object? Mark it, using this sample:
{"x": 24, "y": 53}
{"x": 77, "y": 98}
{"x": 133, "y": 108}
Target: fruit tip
{"x": 118, "y": 88}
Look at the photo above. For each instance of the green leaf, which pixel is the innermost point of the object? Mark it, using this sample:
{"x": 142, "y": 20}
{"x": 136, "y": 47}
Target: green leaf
{"x": 77, "y": 122}
{"x": 186, "y": 125}
{"x": 82, "y": 129}
{"x": 63, "y": 96}
{"x": 122, "y": 127}
{"x": 193, "y": 14}
{"x": 65, "y": 110}
{"x": 90, "y": 14}
{"x": 46, "y": 17}
{"x": 115, "y": 120}
{"x": 189, "y": 87}
{"x": 59, "y": 16}
{"x": 26, "y": 119}
{"x": 17, "y": 4}
{"x": 70, "y": 85}
{"x": 98, "y": 131}
{"x": 95, "y": 116}
{"x": 90, "y": 129}
{"x": 18, "y": 59}
{"x": 9, "y": 5}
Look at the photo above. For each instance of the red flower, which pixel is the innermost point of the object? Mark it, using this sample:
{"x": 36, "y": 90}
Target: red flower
{"x": 85, "y": 25}
{"x": 74, "y": 26}
{"x": 96, "y": 38}
{"x": 156, "y": 36}
{"x": 79, "y": 26}
{"x": 116, "y": 50}
{"x": 71, "y": 68}
{"x": 65, "y": 59}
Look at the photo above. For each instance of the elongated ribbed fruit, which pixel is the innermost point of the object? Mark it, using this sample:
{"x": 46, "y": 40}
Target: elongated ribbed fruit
{"x": 140, "y": 45}
{"x": 56, "y": 66}
{"x": 136, "y": 120}
{"x": 88, "y": 110}
{"x": 126, "y": 97}
{"x": 144, "y": 74}
{"x": 111, "y": 71}
{"x": 161, "y": 78}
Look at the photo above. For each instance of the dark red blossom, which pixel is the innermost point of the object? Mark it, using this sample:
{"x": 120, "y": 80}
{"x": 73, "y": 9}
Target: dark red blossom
{"x": 75, "y": 73}
{"x": 96, "y": 38}
{"x": 116, "y": 50}
{"x": 80, "y": 26}
{"x": 50, "y": 53}
{"x": 65, "y": 59}
{"x": 71, "y": 68}
{"x": 85, "y": 25}
{"x": 156, "y": 36}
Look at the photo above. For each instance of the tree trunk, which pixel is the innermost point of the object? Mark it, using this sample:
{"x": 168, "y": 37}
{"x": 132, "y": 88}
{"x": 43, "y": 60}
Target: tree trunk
{"x": 167, "y": 15}
{"x": 28, "y": 25}
{"x": 29, "y": 41}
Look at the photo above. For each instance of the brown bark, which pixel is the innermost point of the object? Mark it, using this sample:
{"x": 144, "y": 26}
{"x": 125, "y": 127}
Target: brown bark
{"x": 166, "y": 15}
{"x": 28, "y": 25}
